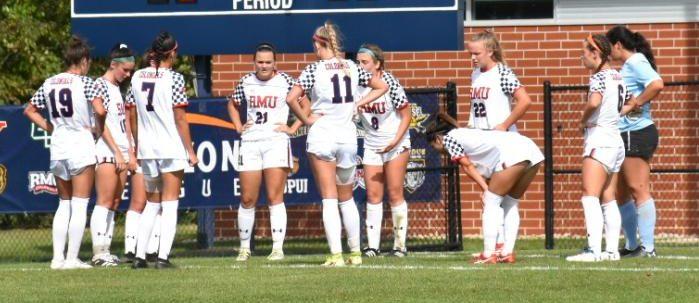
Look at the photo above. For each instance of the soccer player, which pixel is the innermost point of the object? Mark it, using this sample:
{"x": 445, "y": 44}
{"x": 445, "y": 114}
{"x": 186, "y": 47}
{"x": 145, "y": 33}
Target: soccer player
{"x": 112, "y": 154}
{"x": 332, "y": 84}
{"x": 265, "y": 149}
{"x": 69, "y": 99}
{"x": 603, "y": 152}
{"x": 502, "y": 164}
{"x": 494, "y": 86}
{"x": 164, "y": 144}
{"x": 640, "y": 138}
{"x": 386, "y": 152}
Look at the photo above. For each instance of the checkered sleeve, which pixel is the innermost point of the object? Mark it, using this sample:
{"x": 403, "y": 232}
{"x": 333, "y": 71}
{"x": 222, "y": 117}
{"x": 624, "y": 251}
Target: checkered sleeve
{"x": 179, "y": 98}
{"x": 288, "y": 79}
{"x": 455, "y": 150}
{"x": 597, "y": 83}
{"x": 89, "y": 88}
{"x": 395, "y": 91}
{"x": 238, "y": 95}
{"x": 508, "y": 80}
{"x": 39, "y": 98}
{"x": 129, "y": 102}
{"x": 100, "y": 91}
{"x": 364, "y": 76}
{"x": 307, "y": 80}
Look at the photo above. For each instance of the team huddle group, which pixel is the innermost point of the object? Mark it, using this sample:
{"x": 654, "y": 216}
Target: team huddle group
{"x": 99, "y": 137}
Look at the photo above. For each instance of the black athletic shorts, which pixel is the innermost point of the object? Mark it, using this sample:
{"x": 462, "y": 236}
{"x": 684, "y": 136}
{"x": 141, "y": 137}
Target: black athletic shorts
{"x": 641, "y": 143}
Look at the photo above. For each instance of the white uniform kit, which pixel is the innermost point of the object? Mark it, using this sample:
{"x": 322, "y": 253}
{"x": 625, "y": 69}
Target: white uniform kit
{"x": 262, "y": 147}
{"x": 333, "y": 87}
{"x": 602, "y": 139}
{"x": 381, "y": 120}
{"x": 491, "y": 97}
{"x": 160, "y": 147}
{"x": 69, "y": 98}
{"x": 115, "y": 120}
{"x": 491, "y": 151}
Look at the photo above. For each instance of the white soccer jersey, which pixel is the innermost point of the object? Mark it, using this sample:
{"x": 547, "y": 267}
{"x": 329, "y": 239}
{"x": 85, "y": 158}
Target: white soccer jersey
{"x": 491, "y": 96}
{"x": 333, "y": 87}
{"x": 381, "y": 118}
{"x": 116, "y": 117}
{"x": 69, "y": 99}
{"x": 155, "y": 96}
{"x": 602, "y": 128}
{"x": 266, "y": 105}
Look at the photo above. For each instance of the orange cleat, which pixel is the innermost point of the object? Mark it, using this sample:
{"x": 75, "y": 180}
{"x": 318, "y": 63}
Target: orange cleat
{"x": 510, "y": 258}
{"x": 482, "y": 259}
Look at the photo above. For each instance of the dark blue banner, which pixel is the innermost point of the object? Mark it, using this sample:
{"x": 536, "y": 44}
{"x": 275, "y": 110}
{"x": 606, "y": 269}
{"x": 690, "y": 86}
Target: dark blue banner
{"x": 27, "y": 185}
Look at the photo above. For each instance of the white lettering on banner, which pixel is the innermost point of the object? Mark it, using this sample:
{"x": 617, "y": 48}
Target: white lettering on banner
{"x": 262, "y": 4}
{"x": 206, "y": 188}
{"x": 206, "y": 146}
{"x": 293, "y": 186}
{"x": 227, "y": 156}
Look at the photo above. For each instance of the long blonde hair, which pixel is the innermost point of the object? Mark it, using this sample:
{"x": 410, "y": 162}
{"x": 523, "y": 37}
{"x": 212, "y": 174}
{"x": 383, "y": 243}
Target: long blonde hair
{"x": 491, "y": 43}
{"x": 330, "y": 37}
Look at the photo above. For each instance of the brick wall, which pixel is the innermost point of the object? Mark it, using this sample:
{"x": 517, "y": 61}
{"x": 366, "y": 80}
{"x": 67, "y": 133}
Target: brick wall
{"x": 538, "y": 53}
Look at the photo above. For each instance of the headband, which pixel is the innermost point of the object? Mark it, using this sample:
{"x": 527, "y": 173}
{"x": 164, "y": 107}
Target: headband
{"x": 320, "y": 39}
{"x": 124, "y": 59}
{"x": 365, "y": 50}
{"x": 593, "y": 43}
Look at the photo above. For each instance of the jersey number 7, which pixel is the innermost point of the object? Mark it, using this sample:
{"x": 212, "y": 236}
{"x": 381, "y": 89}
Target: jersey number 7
{"x": 150, "y": 88}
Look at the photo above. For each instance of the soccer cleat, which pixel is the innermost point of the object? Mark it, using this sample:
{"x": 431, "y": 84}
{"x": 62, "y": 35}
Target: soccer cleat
{"x": 647, "y": 254}
{"x": 57, "y": 264}
{"x": 335, "y": 260}
{"x": 103, "y": 260}
{"x": 498, "y": 250}
{"x": 610, "y": 256}
{"x": 75, "y": 264}
{"x": 587, "y": 255}
{"x": 400, "y": 253}
{"x": 625, "y": 253}
{"x": 152, "y": 257}
{"x": 243, "y": 255}
{"x": 276, "y": 255}
{"x": 371, "y": 252}
{"x": 163, "y": 264}
{"x": 114, "y": 258}
{"x": 139, "y": 263}
{"x": 355, "y": 258}
{"x": 509, "y": 258}
{"x": 483, "y": 259}
{"x": 128, "y": 258}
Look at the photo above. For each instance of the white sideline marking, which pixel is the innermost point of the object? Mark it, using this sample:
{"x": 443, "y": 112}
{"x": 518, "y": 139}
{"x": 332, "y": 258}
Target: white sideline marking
{"x": 670, "y": 257}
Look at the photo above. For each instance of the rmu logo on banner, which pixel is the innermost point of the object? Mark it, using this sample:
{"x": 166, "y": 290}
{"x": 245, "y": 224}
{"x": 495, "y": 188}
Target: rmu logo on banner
{"x": 42, "y": 182}
{"x": 3, "y": 125}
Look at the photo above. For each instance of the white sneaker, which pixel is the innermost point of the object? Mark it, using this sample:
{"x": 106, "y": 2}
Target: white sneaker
{"x": 75, "y": 264}
{"x": 610, "y": 256}
{"x": 243, "y": 255}
{"x": 585, "y": 256}
{"x": 57, "y": 264}
{"x": 276, "y": 255}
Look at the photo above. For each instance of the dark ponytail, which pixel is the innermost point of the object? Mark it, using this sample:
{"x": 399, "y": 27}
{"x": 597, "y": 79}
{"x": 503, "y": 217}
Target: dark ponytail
{"x": 76, "y": 50}
{"x": 632, "y": 41}
{"x": 162, "y": 46}
{"x": 439, "y": 124}
{"x": 120, "y": 50}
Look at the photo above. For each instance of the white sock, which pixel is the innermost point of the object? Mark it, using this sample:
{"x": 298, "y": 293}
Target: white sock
{"x": 110, "y": 232}
{"x": 593, "y": 223}
{"x": 59, "y": 229}
{"x": 168, "y": 228}
{"x": 332, "y": 225}
{"x": 500, "y": 240}
{"x": 154, "y": 241}
{"x": 374, "y": 216}
{"x": 511, "y": 209}
{"x": 145, "y": 227}
{"x": 246, "y": 221}
{"x": 76, "y": 227}
{"x": 350, "y": 219}
{"x": 492, "y": 218}
{"x": 131, "y": 231}
{"x": 277, "y": 221}
{"x": 612, "y": 225}
{"x": 399, "y": 215}
{"x": 98, "y": 228}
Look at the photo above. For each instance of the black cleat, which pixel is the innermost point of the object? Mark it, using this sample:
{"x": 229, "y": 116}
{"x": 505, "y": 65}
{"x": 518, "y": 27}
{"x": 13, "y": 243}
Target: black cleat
{"x": 398, "y": 253}
{"x": 647, "y": 254}
{"x": 128, "y": 257}
{"x": 625, "y": 253}
{"x": 163, "y": 264}
{"x": 139, "y": 263}
{"x": 152, "y": 257}
{"x": 370, "y": 252}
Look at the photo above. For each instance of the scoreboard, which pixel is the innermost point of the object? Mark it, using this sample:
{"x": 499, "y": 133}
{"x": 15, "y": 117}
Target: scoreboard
{"x": 206, "y": 27}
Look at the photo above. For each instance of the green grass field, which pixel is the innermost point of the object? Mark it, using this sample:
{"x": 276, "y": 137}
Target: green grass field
{"x": 436, "y": 277}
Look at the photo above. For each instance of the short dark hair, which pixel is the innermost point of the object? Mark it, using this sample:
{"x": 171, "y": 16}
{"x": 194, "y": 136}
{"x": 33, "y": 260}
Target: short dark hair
{"x": 76, "y": 50}
{"x": 265, "y": 47}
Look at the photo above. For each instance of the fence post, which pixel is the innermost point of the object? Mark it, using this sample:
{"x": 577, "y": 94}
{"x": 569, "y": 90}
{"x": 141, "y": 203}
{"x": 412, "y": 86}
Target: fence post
{"x": 548, "y": 166}
{"x": 206, "y": 230}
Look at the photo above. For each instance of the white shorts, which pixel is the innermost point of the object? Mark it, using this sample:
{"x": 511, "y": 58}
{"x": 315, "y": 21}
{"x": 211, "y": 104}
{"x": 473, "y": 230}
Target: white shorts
{"x": 610, "y": 157}
{"x": 259, "y": 155}
{"x": 110, "y": 158}
{"x": 67, "y": 168}
{"x": 344, "y": 154}
{"x": 517, "y": 151}
{"x": 152, "y": 168}
{"x": 373, "y": 157}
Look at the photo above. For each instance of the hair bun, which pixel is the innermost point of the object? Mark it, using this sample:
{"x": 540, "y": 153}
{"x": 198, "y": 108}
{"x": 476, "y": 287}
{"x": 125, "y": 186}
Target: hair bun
{"x": 122, "y": 46}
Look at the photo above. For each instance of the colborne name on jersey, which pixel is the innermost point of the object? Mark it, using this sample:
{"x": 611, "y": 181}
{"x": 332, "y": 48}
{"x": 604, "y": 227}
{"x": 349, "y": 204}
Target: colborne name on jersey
{"x": 262, "y": 4}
